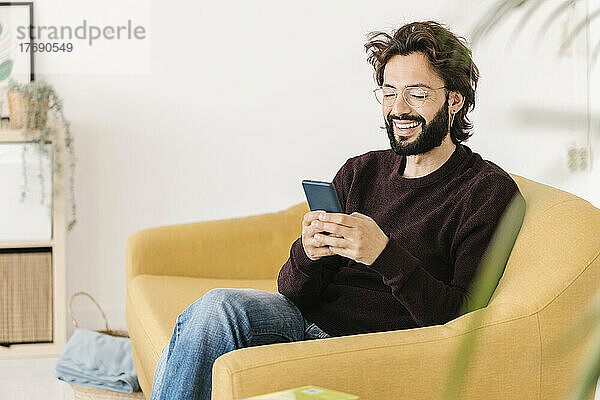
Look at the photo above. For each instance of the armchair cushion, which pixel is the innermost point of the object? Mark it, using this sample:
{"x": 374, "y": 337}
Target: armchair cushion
{"x": 153, "y": 304}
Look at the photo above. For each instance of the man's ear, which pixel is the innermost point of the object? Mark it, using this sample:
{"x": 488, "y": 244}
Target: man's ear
{"x": 455, "y": 102}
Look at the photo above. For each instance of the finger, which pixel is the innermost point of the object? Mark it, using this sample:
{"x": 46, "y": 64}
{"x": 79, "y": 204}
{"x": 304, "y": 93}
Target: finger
{"x": 317, "y": 244}
{"x": 341, "y": 219}
{"x": 332, "y": 227}
{"x": 314, "y": 228}
{"x": 330, "y": 240}
{"x": 310, "y": 241}
{"x": 311, "y": 216}
{"x": 361, "y": 216}
{"x": 341, "y": 251}
{"x": 322, "y": 252}
{"x": 309, "y": 235}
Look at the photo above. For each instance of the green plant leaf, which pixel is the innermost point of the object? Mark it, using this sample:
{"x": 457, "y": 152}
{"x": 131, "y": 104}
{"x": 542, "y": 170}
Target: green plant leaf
{"x": 494, "y": 16}
{"x": 501, "y": 9}
{"x": 551, "y": 18}
{"x": 490, "y": 271}
{"x": 6, "y": 69}
{"x": 44, "y": 109}
{"x": 590, "y": 371}
{"x": 535, "y": 5}
{"x": 579, "y": 330}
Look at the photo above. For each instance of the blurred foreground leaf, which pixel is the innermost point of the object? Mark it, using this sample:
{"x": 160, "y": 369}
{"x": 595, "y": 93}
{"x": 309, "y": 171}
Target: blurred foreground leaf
{"x": 499, "y": 11}
{"x": 587, "y": 326}
{"x": 491, "y": 269}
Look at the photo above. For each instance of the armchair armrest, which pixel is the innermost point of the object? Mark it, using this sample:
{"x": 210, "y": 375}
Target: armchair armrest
{"x": 405, "y": 364}
{"x": 253, "y": 247}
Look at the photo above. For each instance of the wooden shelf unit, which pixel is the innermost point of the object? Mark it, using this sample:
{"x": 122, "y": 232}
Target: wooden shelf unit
{"x": 14, "y": 136}
{"x": 57, "y": 244}
{"x": 23, "y": 244}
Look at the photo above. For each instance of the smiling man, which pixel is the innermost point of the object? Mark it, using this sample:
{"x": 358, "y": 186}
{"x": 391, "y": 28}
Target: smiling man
{"x": 418, "y": 217}
{"x": 417, "y": 220}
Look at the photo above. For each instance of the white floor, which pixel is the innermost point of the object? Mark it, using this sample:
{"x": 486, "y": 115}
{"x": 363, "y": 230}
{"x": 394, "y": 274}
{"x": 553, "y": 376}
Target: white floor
{"x": 27, "y": 379}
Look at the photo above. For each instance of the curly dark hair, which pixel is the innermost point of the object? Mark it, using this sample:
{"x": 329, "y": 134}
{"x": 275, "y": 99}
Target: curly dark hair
{"x": 448, "y": 54}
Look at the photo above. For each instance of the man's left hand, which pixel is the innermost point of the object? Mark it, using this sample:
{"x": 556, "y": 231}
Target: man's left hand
{"x": 361, "y": 238}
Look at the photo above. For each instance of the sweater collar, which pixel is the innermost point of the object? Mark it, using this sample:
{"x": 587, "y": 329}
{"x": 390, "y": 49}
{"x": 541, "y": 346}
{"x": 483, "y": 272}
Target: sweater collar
{"x": 460, "y": 153}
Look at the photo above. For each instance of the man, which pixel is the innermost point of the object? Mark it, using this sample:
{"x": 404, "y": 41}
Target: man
{"x": 417, "y": 219}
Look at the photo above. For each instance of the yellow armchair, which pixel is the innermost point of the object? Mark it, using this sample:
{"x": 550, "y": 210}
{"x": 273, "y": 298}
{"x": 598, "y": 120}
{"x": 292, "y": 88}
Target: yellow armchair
{"x": 552, "y": 274}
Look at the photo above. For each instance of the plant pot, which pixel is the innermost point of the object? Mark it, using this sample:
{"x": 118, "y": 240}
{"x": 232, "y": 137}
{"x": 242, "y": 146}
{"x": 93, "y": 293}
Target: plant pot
{"x": 18, "y": 111}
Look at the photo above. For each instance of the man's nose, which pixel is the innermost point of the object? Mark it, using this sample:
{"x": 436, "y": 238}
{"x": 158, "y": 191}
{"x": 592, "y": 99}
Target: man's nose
{"x": 400, "y": 106}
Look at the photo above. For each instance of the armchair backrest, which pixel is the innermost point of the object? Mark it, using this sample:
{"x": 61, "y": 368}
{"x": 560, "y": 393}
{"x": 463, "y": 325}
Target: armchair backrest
{"x": 559, "y": 243}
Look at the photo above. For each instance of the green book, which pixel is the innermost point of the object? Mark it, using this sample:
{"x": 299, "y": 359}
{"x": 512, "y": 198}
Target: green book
{"x": 306, "y": 393}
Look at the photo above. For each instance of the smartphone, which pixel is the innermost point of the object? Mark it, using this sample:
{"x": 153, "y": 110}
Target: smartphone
{"x": 321, "y": 196}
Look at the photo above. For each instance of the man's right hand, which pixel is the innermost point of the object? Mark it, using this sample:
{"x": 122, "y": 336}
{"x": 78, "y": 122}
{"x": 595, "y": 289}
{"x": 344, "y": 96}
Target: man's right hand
{"x": 313, "y": 248}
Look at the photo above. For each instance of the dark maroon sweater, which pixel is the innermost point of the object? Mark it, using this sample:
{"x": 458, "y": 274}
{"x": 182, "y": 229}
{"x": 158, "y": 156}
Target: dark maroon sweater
{"x": 439, "y": 226}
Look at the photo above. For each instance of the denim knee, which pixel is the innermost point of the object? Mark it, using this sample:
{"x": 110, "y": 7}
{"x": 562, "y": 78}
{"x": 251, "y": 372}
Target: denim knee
{"x": 217, "y": 306}
{"x": 219, "y": 300}
{"x": 242, "y": 310}
{"x": 238, "y": 298}
{"x": 193, "y": 314}
{"x": 199, "y": 309}
{"x": 219, "y": 296}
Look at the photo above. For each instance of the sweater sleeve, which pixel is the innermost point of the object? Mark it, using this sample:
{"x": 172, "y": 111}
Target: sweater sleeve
{"x": 301, "y": 279}
{"x": 429, "y": 300}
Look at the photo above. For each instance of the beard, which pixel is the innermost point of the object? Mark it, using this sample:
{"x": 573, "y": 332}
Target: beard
{"x": 432, "y": 135}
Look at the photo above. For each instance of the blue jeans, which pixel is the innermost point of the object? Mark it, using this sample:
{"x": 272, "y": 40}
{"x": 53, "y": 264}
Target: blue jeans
{"x": 221, "y": 321}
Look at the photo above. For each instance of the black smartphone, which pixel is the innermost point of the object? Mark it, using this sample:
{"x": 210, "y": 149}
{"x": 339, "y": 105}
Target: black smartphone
{"x": 321, "y": 196}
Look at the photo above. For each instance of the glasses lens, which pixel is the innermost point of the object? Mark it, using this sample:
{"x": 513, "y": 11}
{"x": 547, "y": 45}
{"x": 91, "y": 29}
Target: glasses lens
{"x": 385, "y": 96}
{"x": 414, "y": 96}
{"x": 379, "y": 95}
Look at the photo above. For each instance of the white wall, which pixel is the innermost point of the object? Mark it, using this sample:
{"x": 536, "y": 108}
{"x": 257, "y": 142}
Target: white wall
{"x": 237, "y": 93}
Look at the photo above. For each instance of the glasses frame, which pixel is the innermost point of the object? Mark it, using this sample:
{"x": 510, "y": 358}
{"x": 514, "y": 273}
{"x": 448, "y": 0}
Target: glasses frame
{"x": 426, "y": 91}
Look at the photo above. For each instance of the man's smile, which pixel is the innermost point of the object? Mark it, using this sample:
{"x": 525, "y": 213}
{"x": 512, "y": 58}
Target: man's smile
{"x": 406, "y": 128}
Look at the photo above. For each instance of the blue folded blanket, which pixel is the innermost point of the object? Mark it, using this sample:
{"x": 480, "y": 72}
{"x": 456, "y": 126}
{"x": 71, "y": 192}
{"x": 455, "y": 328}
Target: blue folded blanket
{"x": 98, "y": 360}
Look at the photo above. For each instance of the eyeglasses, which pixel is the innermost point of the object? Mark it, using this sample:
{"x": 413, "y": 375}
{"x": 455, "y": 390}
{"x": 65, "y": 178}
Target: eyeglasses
{"x": 414, "y": 96}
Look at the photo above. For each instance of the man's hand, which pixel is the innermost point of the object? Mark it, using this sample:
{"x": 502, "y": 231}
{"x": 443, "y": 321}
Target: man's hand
{"x": 313, "y": 249}
{"x": 357, "y": 236}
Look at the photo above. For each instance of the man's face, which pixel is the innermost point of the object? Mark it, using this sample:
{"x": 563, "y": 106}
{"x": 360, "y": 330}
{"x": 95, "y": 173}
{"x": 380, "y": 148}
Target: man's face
{"x": 432, "y": 118}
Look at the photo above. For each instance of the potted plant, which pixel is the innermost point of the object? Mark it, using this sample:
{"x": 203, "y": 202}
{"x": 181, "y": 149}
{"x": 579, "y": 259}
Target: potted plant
{"x": 36, "y": 108}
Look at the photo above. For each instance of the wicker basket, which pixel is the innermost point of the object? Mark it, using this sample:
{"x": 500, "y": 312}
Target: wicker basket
{"x": 90, "y": 393}
{"x": 25, "y": 296}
